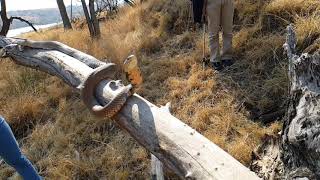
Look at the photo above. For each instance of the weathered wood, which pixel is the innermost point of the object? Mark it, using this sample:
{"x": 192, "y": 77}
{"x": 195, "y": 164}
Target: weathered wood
{"x": 156, "y": 168}
{"x": 299, "y": 144}
{"x": 266, "y": 159}
{"x": 182, "y": 149}
{"x": 156, "y": 165}
{"x": 301, "y": 140}
{"x": 54, "y": 45}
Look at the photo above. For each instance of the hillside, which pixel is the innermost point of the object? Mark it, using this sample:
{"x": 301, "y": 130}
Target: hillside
{"x": 64, "y": 141}
{"x": 42, "y": 16}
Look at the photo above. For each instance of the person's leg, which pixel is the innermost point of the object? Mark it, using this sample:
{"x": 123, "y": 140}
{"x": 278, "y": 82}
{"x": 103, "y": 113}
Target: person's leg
{"x": 227, "y": 12}
{"x": 214, "y": 13}
{"x": 10, "y": 152}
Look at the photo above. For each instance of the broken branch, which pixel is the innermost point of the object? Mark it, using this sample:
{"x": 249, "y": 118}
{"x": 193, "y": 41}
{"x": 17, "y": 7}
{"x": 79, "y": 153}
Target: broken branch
{"x": 23, "y": 20}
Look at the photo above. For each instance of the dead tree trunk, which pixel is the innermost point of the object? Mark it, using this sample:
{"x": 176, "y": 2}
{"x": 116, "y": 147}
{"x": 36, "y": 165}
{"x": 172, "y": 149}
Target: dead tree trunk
{"x": 71, "y": 6}
{"x": 6, "y": 22}
{"x": 88, "y": 19}
{"x": 92, "y": 21}
{"x": 180, "y": 148}
{"x": 301, "y": 131}
{"x": 64, "y": 15}
{"x": 296, "y": 154}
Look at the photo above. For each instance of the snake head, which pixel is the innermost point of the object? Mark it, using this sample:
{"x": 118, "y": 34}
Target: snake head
{"x": 118, "y": 86}
{"x": 132, "y": 70}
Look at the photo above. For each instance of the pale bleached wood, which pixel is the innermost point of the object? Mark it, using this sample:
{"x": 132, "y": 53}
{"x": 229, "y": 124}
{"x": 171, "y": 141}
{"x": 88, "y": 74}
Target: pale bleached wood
{"x": 54, "y": 45}
{"x": 156, "y": 168}
{"x": 300, "y": 138}
{"x": 181, "y": 148}
{"x": 296, "y": 154}
{"x": 156, "y": 165}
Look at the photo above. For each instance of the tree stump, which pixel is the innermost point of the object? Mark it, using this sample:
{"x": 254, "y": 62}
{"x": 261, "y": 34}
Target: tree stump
{"x": 299, "y": 144}
{"x": 301, "y": 130}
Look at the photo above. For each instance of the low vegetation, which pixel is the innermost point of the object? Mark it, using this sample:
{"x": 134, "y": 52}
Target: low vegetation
{"x": 65, "y": 142}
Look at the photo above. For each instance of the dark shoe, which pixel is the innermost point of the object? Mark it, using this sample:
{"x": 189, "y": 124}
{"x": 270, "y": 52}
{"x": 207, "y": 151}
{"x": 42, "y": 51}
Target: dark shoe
{"x": 217, "y": 66}
{"x": 227, "y": 62}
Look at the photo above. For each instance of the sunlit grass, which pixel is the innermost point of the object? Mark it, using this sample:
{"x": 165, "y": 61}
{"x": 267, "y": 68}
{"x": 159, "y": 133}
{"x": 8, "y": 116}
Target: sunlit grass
{"x": 65, "y": 142}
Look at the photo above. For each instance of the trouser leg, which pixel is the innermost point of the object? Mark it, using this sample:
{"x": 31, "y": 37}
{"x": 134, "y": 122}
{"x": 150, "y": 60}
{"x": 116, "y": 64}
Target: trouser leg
{"x": 227, "y": 12}
{"x": 10, "y": 152}
{"x": 213, "y": 13}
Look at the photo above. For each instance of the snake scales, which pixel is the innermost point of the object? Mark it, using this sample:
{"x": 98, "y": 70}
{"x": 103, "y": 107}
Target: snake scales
{"x": 88, "y": 92}
{"x": 102, "y": 71}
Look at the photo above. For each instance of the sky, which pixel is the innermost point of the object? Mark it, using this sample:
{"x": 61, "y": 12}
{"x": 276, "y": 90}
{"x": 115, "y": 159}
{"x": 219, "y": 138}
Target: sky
{"x": 35, "y": 4}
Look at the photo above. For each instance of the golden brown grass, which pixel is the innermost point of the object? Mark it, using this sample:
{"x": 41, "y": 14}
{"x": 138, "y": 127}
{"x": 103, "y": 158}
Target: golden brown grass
{"x": 292, "y": 6}
{"x": 65, "y": 142}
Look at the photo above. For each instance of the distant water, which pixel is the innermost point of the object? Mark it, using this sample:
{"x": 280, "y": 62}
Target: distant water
{"x": 19, "y": 31}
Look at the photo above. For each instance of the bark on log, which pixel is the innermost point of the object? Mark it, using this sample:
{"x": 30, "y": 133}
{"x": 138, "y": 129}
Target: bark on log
{"x": 301, "y": 131}
{"x": 189, "y": 154}
{"x": 156, "y": 165}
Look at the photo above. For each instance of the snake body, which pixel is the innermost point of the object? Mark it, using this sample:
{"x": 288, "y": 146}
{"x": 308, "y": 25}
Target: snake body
{"x": 102, "y": 71}
{"x": 88, "y": 92}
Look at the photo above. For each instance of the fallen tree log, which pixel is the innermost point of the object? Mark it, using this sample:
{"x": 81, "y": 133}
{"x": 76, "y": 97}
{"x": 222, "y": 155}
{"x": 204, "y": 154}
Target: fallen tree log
{"x": 179, "y": 147}
{"x": 156, "y": 165}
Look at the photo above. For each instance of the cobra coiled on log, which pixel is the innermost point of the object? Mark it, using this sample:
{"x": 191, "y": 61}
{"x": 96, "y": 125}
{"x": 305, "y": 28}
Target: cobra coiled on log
{"x": 90, "y": 84}
{"x": 102, "y": 71}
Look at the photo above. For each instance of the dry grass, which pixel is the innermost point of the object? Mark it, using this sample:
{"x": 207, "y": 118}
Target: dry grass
{"x": 292, "y": 7}
{"x": 65, "y": 142}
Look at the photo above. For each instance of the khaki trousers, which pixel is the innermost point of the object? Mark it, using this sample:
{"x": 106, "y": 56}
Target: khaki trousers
{"x": 220, "y": 15}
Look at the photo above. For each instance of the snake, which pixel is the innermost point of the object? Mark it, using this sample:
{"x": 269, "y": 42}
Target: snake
{"x": 89, "y": 87}
{"x": 102, "y": 71}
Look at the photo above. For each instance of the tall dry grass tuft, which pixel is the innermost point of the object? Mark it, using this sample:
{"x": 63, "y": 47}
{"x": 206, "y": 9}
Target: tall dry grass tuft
{"x": 292, "y": 7}
{"x": 308, "y": 30}
{"x": 66, "y": 142}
